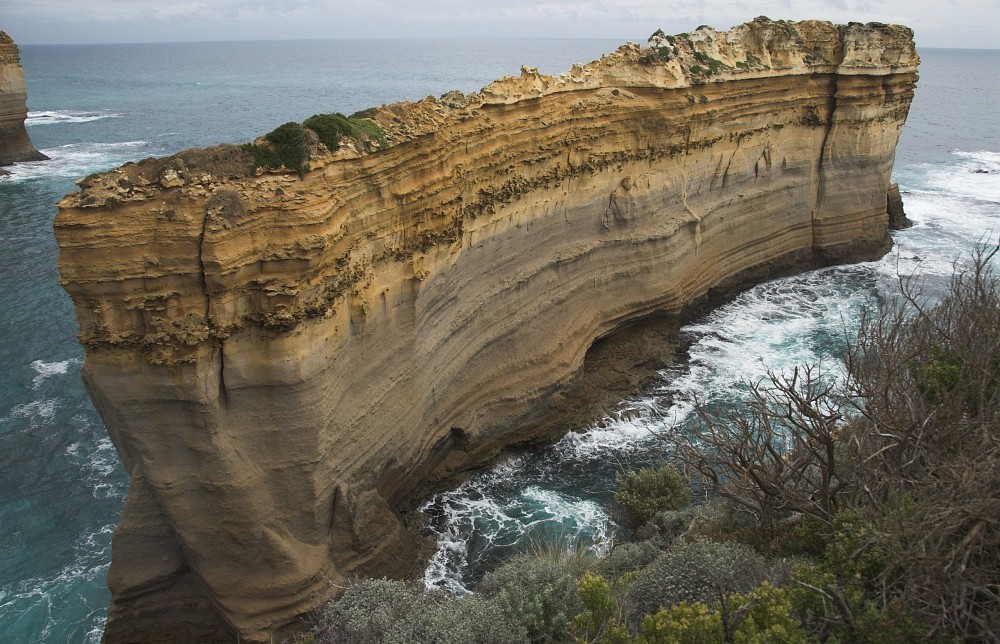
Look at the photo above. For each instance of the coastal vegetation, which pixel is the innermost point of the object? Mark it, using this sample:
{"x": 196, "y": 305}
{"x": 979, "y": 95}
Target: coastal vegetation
{"x": 860, "y": 508}
{"x": 289, "y": 145}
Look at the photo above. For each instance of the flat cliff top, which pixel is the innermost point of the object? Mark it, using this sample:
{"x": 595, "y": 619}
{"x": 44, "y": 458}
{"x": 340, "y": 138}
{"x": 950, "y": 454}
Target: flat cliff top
{"x": 761, "y": 48}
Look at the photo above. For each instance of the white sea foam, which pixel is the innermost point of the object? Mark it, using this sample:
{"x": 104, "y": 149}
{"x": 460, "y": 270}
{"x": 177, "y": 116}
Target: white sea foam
{"x": 35, "y": 598}
{"x": 497, "y": 511}
{"x": 48, "y": 117}
{"x": 79, "y": 159}
{"x": 976, "y": 176}
{"x": 36, "y": 411}
{"x": 46, "y": 370}
{"x": 98, "y": 461}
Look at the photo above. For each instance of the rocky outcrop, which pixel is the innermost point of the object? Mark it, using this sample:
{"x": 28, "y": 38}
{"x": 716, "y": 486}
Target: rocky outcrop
{"x": 14, "y": 142}
{"x": 283, "y": 360}
{"x": 894, "y": 207}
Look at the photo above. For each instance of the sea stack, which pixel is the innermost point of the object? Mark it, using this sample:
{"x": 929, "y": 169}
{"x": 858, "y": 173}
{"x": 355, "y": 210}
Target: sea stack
{"x": 284, "y": 356}
{"x": 14, "y": 142}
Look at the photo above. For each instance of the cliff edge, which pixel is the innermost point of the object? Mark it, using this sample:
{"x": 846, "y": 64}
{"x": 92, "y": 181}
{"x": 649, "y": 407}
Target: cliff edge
{"x": 14, "y": 142}
{"x": 283, "y": 357}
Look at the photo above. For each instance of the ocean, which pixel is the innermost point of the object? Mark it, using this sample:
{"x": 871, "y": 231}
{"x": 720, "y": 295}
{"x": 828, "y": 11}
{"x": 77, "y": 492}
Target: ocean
{"x": 95, "y": 107}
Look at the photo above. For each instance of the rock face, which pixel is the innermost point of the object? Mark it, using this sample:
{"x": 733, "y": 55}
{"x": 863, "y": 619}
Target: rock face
{"x": 14, "y": 142}
{"x": 283, "y": 361}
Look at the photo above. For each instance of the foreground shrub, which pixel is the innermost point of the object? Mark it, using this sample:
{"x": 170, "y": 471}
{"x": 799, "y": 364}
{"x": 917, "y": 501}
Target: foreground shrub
{"x": 683, "y": 623}
{"x": 539, "y": 593}
{"x": 601, "y": 620}
{"x": 694, "y": 572}
{"x": 645, "y": 492}
{"x": 760, "y": 617}
{"x": 628, "y": 557}
{"x": 395, "y": 612}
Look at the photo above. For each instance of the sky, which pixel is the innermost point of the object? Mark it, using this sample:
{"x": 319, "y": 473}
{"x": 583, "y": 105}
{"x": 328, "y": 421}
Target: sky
{"x": 973, "y": 24}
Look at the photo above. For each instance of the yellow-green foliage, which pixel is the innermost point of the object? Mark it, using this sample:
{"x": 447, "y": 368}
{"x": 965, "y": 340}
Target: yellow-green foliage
{"x": 683, "y": 623}
{"x": 601, "y": 621}
{"x": 760, "y": 617}
{"x": 765, "y": 615}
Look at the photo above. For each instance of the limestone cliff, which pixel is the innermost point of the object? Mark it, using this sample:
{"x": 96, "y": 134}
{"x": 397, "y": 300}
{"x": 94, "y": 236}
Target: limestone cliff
{"x": 283, "y": 360}
{"x": 14, "y": 142}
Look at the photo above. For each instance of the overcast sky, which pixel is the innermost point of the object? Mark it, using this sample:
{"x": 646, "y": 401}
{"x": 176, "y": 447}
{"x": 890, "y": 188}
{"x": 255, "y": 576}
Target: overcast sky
{"x": 936, "y": 23}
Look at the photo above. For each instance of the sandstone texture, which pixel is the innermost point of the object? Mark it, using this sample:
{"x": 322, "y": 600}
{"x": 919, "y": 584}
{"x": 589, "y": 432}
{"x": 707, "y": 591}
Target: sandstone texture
{"x": 283, "y": 361}
{"x": 14, "y": 142}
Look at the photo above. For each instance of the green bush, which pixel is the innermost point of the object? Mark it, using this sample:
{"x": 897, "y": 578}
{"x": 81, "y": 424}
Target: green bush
{"x": 693, "y": 572}
{"x": 854, "y": 551}
{"x": 539, "y": 593}
{"x": 330, "y": 128}
{"x": 369, "y": 611}
{"x": 644, "y": 492}
{"x": 941, "y": 376}
{"x": 289, "y": 148}
{"x": 628, "y": 557}
{"x": 372, "y": 132}
{"x": 288, "y": 144}
{"x": 839, "y": 611}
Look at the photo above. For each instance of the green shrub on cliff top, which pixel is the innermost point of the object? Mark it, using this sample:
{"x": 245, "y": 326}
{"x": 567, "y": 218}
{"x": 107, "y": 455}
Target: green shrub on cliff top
{"x": 332, "y": 127}
{"x": 288, "y": 144}
{"x": 289, "y": 148}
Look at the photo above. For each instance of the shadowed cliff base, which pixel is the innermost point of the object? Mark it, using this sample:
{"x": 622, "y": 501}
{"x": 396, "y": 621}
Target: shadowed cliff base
{"x": 290, "y": 340}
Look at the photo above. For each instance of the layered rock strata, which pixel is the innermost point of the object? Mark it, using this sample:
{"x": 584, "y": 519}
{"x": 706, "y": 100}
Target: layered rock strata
{"x": 15, "y": 145}
{"x": 283, "y": 360}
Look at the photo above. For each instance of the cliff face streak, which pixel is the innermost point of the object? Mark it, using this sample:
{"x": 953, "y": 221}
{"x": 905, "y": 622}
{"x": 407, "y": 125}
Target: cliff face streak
{"x": 14, "y": 142}
{"x": 283, "y": 361}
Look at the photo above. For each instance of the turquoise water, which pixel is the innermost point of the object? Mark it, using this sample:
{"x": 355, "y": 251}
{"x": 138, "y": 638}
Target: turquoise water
{"x": 96, "y": 107}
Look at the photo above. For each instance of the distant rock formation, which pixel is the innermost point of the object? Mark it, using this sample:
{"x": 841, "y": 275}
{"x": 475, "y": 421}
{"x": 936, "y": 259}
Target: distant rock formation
{"x": 14, "y": 142}
{"x": 284, "y": 361}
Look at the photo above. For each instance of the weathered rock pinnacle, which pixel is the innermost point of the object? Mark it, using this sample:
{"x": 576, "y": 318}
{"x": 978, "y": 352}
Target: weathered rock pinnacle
{"x": 14, "y": 142}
